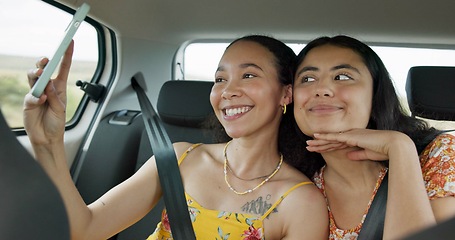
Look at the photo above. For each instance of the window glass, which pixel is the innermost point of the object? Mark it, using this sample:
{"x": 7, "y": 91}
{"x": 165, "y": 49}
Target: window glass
{"x": 32, "y": 29}
{"x": 201, "y": 61}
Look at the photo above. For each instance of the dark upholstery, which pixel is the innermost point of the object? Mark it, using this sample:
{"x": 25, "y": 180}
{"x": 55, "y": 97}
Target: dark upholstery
{"x": 30, "y": 205}
{"x": 431, "y": 92}
{"x": 183, "y": 106}
{"x": 185, "y": 103}
{"x": 112, "y": 155}
{"x": 441, "y": 231}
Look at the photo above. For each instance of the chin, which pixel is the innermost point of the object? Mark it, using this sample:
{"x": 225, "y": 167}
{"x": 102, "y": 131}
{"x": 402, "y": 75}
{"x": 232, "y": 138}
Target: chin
{"x": 235, "y": 134}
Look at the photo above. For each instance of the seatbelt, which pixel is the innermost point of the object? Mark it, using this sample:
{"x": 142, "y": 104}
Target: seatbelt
{"x": 166, "y": 162}
{"x": 373, "y": 226}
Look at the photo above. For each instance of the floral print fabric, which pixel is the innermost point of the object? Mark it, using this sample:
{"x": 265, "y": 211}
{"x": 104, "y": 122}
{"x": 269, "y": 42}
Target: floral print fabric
{"x": 348, "y": 234}
{"x": 438, "y": 169}
{"x": 219, "y": 225}
{"x": 213, "y": 224}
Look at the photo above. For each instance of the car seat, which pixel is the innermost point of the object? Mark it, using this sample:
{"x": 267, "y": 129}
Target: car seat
{"x": 431, "y": 94}
{"x": 31, "y": 206}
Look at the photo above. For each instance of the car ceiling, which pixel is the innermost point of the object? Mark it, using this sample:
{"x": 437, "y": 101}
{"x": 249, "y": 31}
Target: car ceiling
{"x": 410, "y": 22}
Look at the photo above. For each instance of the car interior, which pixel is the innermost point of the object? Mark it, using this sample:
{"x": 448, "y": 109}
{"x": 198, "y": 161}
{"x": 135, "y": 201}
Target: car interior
{"x": 105, "y": 139}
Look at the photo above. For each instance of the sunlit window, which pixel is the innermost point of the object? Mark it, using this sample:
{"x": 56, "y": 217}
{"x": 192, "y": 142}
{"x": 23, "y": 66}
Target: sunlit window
{"x": 32, "y": 29}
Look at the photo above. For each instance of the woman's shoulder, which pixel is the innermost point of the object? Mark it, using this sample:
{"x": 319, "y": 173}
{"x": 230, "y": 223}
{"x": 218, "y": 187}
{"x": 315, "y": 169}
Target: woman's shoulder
{"x": 301, "y": 191}
{"x": 440, "y": 149}
{"x": 183, "y": 146}
{"x": 438, "y": 164}
{"x": 441, "y": 142}
{"x": 196, "y": 149}
{"x": 297, "y": 183}
{"x": 445, "y": 138}
{"x": 293, "y": 175}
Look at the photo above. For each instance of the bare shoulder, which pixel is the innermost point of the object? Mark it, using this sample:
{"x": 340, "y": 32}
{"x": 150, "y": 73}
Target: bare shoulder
{"x": 204, "y": 150}
{"x": 302, "y": 192}
{"x": 306, "y": 212}
{"x": 305, "y": 191}
{"x": 181, "y": 147}
{"x": 292, "y": 175}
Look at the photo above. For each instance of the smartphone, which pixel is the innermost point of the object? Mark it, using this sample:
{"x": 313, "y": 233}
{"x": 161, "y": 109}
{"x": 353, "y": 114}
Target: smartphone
{"x": 49, "y": 69}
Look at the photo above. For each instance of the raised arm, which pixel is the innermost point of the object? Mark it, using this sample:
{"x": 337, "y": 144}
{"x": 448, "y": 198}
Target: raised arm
{"x": 44, "y": 120}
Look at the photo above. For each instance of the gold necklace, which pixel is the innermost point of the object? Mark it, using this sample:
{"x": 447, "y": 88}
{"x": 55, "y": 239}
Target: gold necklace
{"x": 245, "y": 179}
{"x": 249, "y": 190}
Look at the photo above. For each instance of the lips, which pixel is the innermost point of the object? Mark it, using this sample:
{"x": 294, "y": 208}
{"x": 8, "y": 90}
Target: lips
{"x": 234, "y": 111}
{"x": 323, "y": 108}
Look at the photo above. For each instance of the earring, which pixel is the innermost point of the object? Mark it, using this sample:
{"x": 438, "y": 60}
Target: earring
{"x": 284, "y": 109}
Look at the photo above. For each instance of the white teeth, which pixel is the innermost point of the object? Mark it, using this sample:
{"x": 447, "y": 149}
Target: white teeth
{"x": 235, "y": 111}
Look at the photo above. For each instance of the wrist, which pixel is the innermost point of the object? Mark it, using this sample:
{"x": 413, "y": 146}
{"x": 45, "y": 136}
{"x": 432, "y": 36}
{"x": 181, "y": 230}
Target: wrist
{"x": 403, "y": 152}
{"x": 50, "y": 154}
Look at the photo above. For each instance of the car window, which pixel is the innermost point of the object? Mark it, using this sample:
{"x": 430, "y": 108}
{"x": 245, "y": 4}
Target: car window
{"x": 201, "y": 61}
{"x": 31, "y": 29}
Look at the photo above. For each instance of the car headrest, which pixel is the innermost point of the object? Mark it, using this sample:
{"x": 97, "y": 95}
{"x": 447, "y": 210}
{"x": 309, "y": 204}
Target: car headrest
{"x": 184, "y": 102}
{"x": 431, "y": 92}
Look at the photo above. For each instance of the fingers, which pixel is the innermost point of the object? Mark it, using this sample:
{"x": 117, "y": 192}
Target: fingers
{"x": 31, "y": 101}
{"x": 64, "y": 69}
{"x": 33, "y": 74}
{"x": 353, "y": 137}
{"x": 56, "y": 89}
{"x": 63, "y": 72}
{"x": 368, "y": 144}
{"x": 339, "y": 136}
{"x": 324, "y": 146}
{"x": 42, "y": 62}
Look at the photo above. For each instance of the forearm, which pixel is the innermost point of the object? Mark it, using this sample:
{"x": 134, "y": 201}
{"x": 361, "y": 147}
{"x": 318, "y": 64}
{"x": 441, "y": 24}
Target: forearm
{"x": 53, "y": 160}
{"x": 408, "y": 206}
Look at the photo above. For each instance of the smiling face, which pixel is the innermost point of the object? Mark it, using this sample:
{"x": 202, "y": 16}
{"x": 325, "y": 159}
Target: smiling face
{"x": 247, "y": 95}
{"x": 332, "y": 91}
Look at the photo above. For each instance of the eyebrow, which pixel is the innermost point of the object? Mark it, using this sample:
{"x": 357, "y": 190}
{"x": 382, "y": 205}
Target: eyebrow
{"x": 305, "y": 69}
{"x": 243, "y": 65}
{"x": 344, "y": 66}
{"x": 246, "y": 65}
{"x": 341, "y": 66}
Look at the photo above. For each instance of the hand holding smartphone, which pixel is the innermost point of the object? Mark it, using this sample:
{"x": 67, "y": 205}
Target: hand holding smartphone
{"x": 49, "y": 69}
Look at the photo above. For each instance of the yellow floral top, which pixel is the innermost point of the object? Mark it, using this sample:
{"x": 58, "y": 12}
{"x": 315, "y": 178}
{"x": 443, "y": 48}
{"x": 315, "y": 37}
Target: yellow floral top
{"x": 215, "y": 224}
{"x": 438, "y": 169}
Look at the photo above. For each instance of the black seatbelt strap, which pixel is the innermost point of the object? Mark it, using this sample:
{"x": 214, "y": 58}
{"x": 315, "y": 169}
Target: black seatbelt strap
{"x": 373, "y": 226}
{"x": 168, "y": 169}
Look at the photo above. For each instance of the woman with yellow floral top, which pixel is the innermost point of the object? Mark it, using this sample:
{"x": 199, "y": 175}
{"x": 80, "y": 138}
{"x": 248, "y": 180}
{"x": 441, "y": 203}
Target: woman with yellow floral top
{"x": 356, "y": 133}
{"x": 240, "y": 189}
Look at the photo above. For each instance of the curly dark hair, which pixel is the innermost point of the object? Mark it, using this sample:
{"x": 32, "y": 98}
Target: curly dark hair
{"x": 386, "y": 114}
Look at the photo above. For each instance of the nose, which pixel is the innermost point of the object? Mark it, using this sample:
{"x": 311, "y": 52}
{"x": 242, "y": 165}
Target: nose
{"x": 324, "y": 89}
{"x": 231, "y": 90}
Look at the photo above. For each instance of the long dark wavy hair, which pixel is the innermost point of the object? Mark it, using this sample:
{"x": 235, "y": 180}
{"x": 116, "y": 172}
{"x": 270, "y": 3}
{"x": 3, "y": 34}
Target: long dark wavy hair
{"x": 386, "y": 114}
{"x": 285, "y": 63}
